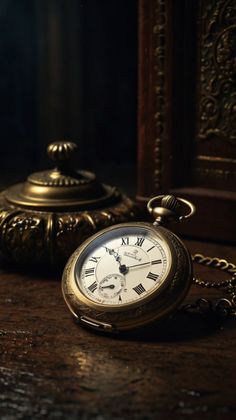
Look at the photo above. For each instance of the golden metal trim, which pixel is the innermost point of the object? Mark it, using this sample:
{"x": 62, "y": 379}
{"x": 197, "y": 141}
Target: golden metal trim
{"x": 50, "y": 237}
{"x": 215, "y": 159}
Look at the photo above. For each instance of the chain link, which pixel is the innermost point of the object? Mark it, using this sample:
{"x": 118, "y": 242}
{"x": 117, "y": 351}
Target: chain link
{"x": 223, "y": 306}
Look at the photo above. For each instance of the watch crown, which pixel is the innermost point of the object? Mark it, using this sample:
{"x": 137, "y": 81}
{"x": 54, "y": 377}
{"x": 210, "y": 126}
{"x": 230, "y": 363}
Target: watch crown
{"x": 170, "y": 209}
{"x": 170, "y": 202}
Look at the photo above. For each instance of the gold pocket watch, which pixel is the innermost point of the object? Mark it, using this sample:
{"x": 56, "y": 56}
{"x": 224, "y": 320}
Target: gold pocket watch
{"x": 131, "y": 274}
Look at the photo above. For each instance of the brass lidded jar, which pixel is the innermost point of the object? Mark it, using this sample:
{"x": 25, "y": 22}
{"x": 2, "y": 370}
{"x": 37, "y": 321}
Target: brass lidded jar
{"x": 43, "y": 220}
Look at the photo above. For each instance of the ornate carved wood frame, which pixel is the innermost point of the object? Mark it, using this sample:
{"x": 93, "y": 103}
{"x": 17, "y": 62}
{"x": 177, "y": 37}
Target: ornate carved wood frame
{"x": 187, "y": 109}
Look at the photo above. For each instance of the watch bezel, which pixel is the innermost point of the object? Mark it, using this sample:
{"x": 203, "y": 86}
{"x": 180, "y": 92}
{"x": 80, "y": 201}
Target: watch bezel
{"x": 125, "y": 306}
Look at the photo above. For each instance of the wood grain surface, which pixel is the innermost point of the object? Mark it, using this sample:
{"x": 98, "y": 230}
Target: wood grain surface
{"x": 53, "y": 369}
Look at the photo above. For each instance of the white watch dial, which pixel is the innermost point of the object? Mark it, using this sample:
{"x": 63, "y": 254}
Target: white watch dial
{"x": 123, "y": 265}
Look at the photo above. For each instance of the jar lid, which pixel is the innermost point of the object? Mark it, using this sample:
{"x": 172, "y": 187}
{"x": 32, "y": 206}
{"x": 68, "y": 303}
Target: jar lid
{"x": 63, "y": 187}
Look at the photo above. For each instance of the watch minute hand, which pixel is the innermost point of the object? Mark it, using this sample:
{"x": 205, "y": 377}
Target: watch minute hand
{"x": 138, "y": 265}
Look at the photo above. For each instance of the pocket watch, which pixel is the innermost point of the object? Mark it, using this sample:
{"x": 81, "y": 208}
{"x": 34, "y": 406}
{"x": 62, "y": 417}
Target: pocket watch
{"x": 131, "y": 274}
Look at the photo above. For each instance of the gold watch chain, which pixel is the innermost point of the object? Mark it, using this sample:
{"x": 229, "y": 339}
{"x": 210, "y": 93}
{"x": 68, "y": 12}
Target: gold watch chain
{"x": 223, "y": 306}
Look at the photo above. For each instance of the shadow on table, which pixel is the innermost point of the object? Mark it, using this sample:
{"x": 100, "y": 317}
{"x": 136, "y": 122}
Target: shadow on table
{"x": 40, "y": 273}
{"x": 181, "y": 327}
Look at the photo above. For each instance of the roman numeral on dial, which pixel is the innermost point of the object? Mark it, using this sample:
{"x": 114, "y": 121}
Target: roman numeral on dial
{"x": 94, "y": 259}
{"x": 156, "y": 262}
{"x": 89, "y": 272}
{"x": 152, "y": 276}
{"x": 125, "y": 241}
{"x": 139, "y": 289}
{"x": 93, "y": 286}
{"x": 140, "y": 241}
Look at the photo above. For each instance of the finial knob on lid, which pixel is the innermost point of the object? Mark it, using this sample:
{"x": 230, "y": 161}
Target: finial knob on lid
{"x": 62, "y": 187}
{"x": 61, "y": 152}
{"x": 45, "y": 218}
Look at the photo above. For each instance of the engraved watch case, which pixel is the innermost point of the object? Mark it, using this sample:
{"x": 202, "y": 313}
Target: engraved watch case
{"x": 148, "y": 290}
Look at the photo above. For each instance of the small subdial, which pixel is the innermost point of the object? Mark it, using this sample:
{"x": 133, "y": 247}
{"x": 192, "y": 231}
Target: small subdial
{"x": 111, "y": 286}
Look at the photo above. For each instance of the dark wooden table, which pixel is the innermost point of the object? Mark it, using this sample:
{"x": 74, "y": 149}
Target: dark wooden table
{"x": 51, "y": 368}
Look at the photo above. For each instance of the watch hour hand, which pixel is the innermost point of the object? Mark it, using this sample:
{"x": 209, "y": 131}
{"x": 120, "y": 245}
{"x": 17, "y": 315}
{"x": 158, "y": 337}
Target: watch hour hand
{"x": 113, "y": 252}
{"x": 122, "y": 267}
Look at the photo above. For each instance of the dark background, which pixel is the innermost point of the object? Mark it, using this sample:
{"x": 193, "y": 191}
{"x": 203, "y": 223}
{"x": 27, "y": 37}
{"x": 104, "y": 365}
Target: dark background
{"x": 68, "y": 70}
